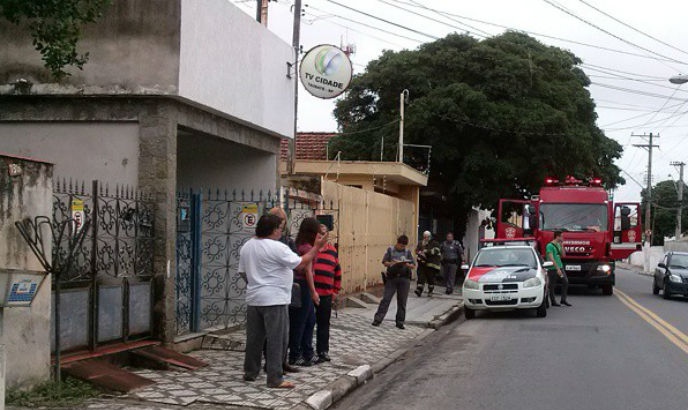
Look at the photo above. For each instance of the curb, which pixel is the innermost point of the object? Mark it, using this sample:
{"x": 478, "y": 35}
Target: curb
{"x": 345, "y": 384}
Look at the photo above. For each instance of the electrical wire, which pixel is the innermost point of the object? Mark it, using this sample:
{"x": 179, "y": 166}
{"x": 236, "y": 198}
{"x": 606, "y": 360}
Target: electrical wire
{"x": 609, "y": 33}
{"x": 383, "y": 20}
{"x": 479, "y": 32}
{"x": 357, "y": 31}
{"x": 367, "y": 25}
{"x": 368, "y": 129}
{"x": 632, "y": 28}
{"x": 533, "y": 33}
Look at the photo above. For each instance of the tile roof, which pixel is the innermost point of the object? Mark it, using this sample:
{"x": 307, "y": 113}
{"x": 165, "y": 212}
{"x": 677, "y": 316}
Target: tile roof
{"x": 309, "y": 145}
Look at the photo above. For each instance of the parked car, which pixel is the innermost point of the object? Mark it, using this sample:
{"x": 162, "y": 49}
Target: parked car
{"x": 671, "y": 275}
{"x": 506, "y": 278}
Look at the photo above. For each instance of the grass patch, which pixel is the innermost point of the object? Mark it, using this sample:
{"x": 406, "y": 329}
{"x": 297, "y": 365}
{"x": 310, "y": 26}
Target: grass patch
{"x": 70, "y": 392}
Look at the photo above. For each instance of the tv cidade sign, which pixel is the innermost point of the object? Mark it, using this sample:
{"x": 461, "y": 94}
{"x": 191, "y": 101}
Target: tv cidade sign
{"x": 325, "y": 71}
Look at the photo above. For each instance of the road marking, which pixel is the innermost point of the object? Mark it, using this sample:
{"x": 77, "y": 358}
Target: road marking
{"x": 674, "y": 335}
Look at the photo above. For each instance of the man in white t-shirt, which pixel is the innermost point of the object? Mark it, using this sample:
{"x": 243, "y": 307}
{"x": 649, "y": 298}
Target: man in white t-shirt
{"x": 268, "y": 265}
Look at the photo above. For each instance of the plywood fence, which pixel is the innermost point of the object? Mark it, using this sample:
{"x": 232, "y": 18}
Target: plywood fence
{"x": 368, "y": 223}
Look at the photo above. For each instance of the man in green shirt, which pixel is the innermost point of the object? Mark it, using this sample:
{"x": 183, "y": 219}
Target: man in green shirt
{"x": 554, "y": 251}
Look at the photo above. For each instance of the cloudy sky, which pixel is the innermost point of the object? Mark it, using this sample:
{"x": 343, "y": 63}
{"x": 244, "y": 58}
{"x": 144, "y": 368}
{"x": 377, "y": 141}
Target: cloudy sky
{"x": 629, "y": 51}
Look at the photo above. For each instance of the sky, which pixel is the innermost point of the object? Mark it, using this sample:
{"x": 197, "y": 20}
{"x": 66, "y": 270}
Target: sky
{"x": 629, "y": 51}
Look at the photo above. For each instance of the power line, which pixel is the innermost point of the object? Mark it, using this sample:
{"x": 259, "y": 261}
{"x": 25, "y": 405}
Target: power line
{"x": 624, "y": 72}
{"x": 431, "y": 18}
{"x": 533, "y": 33}
{"x": 449, "y": 18}
{"x": 637, "y": 92}
{"x": 631, "y": 27}
{"x": 318, "y": 17}
{"x": 564, "y": 10}
{"x": 367, "y": 25}
{"x": 383, "y": 20}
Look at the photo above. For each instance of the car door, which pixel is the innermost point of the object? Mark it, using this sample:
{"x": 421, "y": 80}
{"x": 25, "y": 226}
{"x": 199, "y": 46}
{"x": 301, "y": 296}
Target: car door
{"x": 660, "y": 272}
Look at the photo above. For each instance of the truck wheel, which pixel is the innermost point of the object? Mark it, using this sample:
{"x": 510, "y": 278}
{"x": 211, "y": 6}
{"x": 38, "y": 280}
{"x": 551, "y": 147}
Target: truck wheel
{"x": 607, "y": 290}
{"x": 655, "y": 288}
{"x": 468, "y": 313}
{"x": 666, "y": 293}
{"x": 541, "y": 310}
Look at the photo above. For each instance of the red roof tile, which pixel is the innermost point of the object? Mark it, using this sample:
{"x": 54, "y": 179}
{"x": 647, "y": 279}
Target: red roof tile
{"x": 309, "y": 145}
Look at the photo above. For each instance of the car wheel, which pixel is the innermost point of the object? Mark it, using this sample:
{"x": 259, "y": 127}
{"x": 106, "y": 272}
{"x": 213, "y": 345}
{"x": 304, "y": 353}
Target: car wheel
{"x": 541, "y": 310}
{"x": 666, "y": 293}
{"x": 655, "y": 288}
{"x": 607, "y": 290}
{"x": 468, "y": 313}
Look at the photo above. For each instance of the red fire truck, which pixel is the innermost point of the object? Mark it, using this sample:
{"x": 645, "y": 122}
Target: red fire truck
{"x": 597, "y": 232}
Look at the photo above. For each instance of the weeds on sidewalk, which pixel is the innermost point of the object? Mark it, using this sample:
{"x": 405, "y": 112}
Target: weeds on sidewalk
{"x": 70, "y": 392}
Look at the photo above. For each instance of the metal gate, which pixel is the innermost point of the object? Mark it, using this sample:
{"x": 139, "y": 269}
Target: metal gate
{"x": 211, "y": 229}
{"x": 107, "y": 294}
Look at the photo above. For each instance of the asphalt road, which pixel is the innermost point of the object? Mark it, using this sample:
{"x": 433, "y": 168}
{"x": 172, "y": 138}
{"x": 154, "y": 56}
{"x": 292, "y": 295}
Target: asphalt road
{"x": 605, "y": 352}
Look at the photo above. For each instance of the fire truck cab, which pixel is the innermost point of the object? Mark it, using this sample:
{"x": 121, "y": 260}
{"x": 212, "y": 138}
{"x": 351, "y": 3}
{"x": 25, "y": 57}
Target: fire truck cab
{"x": 596, "y": 231}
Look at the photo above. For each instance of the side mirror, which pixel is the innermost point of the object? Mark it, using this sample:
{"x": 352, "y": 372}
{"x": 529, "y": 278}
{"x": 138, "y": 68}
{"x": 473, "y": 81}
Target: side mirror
{"x": 464, "y": 266}
{"x": 548, "y": 264}
{"x": 661, "y": 265}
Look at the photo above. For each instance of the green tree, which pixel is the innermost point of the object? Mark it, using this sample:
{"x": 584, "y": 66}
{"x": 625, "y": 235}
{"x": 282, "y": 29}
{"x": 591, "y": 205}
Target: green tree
{"x": 664, "y": 208}
{"x": 55, "y": 27}
{"x": 500, "y": 114}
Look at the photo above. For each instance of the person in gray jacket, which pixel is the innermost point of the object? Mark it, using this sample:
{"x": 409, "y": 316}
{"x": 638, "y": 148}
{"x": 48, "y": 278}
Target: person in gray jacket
{"x": 399, "y": 263}
{"x": 452, "y": 257}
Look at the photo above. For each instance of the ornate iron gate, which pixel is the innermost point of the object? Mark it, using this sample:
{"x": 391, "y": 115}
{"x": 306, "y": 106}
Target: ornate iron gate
{"x": 107, "y": 295}
{"x": 211, "y": 229}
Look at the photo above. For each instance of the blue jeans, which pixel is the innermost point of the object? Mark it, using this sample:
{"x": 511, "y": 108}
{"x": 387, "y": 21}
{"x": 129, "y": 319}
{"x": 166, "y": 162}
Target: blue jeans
{"x": 301, "y": 325}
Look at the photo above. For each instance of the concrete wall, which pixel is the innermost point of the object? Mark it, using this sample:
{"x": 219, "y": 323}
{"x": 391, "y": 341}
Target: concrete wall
{"x": 210, "y": 162}
{"x": 208, "y": 52}
{"x": 231, "y": 63}
{"x": 472, "y": 237}
{"x": 26, "y": 330}
{"x": 84, "y": 151}
{"x": 133, "y": 49}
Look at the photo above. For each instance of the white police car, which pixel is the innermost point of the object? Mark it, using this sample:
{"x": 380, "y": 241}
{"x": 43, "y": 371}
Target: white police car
{"x": 506, "y": 278}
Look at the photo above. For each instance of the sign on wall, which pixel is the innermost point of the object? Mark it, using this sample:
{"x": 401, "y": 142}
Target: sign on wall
{"x": 325, "y": 71}
{"x": 249, "y": 217}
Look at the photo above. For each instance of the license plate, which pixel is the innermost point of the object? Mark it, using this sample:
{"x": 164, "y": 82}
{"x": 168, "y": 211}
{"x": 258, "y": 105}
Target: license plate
{"x": 499, "y": 297}
{"x": 573, "y": 267}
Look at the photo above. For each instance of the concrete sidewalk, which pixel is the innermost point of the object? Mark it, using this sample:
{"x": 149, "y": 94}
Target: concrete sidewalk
{"x": 358, "y": 350}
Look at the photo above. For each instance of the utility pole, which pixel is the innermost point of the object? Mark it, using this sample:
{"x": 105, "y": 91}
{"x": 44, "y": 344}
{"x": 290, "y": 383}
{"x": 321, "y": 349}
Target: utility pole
{"x": 679, "y": 191}
{"x": 403, "y": 98}
{"x": 295, "y": 42}
{"x": 648, "y": 205}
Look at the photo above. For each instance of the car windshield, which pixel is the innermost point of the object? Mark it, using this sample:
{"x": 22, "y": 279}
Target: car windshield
{"x": 573, "y": 217}
{"x": 505, "y": 257}
{"x": 679, "y": 261}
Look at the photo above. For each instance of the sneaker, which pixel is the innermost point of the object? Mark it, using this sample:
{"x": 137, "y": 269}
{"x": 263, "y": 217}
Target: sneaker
{"x": 324, "y": 357}
{"x": 401, "y": 326}
{"x": 418, "y": 292}
{"x": 376, "y": 323}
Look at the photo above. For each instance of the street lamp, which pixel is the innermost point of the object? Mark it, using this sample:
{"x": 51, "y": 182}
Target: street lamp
{"x": 679, "y": 79}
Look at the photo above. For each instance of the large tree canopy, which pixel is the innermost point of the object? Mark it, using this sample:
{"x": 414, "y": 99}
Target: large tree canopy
{"x": 665, "y": 206}
{"x": 500, "y": 114}
{"x": 55, "y": 26}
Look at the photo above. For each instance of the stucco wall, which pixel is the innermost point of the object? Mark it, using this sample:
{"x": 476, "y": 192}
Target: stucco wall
{"x": 208, "y": 52}
{"x": 133, "y": 49}
{"x": 233, "y": 64}
{"x": 210, "y": 162}
{"x": 85, "y": 151}
{"x": 26, "y": 330}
